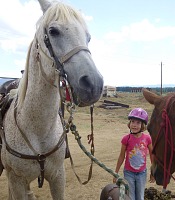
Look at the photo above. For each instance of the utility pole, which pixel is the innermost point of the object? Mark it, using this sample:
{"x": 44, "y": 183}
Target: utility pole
{"x": 161, "y": 80}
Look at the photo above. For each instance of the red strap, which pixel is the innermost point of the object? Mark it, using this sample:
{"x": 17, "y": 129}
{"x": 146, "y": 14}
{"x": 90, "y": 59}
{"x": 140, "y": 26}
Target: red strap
{"x": 67, "y": 95}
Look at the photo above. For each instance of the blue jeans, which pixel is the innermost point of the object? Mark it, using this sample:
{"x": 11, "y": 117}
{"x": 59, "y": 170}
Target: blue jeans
{"x": 137, "y": 182}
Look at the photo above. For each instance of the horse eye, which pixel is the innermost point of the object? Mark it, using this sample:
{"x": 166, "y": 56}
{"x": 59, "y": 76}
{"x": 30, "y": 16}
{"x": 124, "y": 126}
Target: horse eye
{"x": 53, "y": 31}
{"x": 89, "y": 38}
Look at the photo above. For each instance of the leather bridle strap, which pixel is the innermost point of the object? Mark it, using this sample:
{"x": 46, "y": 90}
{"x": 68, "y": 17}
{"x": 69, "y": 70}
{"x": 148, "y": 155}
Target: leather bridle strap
{"x": 59, "y": 65}
{"x": 40, "y": 157}
{"x": 60, "y": 62}
{"x": 73, "y": 52}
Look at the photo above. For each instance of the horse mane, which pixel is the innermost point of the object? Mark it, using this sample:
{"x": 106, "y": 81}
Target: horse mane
{"x": 62, "y": 13}
{"x": 22, "y": 88}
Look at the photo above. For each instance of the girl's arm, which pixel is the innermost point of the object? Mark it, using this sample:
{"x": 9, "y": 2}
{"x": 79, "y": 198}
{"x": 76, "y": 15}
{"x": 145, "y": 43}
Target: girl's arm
{"x": 150, "y": 148}
{"x": 120, "y": 160}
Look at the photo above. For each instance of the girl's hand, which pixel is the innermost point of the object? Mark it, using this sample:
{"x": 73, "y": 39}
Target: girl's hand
{"x": 114, "y": 180}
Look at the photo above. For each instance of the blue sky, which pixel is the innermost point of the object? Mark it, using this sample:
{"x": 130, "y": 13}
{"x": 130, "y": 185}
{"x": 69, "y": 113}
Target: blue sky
{"x": 130, "y": 38}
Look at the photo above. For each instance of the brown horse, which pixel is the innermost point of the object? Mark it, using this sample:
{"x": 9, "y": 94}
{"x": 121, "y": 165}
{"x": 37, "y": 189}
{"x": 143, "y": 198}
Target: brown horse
{"x": 162, "y": 130}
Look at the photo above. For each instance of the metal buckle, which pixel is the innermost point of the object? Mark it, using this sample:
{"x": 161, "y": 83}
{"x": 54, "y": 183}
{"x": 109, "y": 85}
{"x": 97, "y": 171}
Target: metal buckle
{"x": 41, "y": 157}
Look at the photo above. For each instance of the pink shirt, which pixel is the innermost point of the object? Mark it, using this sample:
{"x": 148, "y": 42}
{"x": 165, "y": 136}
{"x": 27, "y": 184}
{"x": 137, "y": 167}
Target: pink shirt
{"x": 136, "y": 151}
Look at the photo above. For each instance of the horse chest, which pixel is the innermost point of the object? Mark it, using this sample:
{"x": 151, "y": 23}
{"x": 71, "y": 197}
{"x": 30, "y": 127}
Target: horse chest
{"x": 31, "y": 168}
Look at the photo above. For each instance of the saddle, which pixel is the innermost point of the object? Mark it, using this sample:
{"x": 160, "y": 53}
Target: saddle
{"x": 7, "y": 93}
{"x": 5, "y": 102}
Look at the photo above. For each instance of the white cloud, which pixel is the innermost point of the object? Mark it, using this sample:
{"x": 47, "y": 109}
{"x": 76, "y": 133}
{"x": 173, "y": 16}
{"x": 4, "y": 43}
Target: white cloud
{"x": 18, "y": 27}
{"x": 141, "y": 31}
{"x": 87, "y": 17}
{"x": 17, "y": 45}
{"x": 22, "y": 17}
{"x": 119, "y": 65}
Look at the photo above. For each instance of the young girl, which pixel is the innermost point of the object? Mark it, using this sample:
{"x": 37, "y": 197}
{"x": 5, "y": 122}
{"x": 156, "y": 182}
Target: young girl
{"x": 134, "y": 147}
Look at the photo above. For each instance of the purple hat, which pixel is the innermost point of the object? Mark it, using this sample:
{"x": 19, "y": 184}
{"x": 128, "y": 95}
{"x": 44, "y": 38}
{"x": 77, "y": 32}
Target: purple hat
{"x": 139, "y": 113}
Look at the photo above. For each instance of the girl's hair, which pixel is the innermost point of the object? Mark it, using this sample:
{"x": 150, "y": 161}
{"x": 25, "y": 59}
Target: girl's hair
{"x": 143, "y": 125}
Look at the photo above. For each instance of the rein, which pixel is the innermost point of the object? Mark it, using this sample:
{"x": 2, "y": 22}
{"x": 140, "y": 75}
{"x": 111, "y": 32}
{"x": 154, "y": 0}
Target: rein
{"x": 166, "y": 127}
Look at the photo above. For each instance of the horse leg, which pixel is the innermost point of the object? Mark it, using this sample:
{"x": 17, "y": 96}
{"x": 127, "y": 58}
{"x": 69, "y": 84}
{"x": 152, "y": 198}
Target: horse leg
{"x": 30, "y": 194}
{"x": 57, "y": 185}
{"x": 17, "y": 187}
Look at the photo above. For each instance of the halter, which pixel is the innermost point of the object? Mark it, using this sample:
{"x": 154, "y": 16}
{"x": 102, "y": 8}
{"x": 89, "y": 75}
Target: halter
{"x": 166, "y": 128}
{"x": 57, "y": 62}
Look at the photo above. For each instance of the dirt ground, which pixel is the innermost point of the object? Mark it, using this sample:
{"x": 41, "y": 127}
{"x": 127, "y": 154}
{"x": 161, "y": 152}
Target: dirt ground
{"x": 109, "y": 127}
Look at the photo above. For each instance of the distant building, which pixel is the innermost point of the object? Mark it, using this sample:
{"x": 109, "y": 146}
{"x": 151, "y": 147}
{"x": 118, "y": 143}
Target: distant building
{"x": 138, "y": 89}
{"x": 109, "y": 91}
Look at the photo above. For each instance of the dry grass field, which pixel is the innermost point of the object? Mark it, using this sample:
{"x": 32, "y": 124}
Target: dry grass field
{"x": 109, "y": 127}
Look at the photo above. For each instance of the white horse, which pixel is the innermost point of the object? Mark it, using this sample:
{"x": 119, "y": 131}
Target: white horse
{"x": 32, "y": 134}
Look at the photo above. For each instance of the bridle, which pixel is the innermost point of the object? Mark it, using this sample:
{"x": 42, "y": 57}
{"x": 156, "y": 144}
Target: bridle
{"x": 166, "y": 128}
{"x": 60, "y": 62}
{"x": 59, "y": 65}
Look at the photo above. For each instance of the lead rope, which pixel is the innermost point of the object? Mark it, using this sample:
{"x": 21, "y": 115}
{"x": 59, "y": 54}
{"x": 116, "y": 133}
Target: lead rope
{"x": 70, "y": 108}
{"x": 123, "y": 185}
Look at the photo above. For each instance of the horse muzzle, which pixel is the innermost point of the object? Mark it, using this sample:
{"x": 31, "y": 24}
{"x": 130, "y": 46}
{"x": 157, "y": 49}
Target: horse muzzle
{"x": 158, "y": 174}
{"x": 87, "y": 94}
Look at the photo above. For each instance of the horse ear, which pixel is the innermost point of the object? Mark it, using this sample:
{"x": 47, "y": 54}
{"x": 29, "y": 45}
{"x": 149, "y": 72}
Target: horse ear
{"x": 151, "y": 97}
{"x": 44, "y": 5}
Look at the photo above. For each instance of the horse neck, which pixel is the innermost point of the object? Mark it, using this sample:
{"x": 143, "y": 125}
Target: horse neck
{"x": 42, "y": 99}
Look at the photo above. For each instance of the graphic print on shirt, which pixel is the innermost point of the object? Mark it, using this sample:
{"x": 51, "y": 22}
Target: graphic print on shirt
{"x": 137, "y": 155}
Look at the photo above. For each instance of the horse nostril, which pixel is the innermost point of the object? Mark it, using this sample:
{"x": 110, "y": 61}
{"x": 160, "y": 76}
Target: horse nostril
{"x": 85, "y": 83}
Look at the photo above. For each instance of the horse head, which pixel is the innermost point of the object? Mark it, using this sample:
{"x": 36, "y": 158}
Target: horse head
{"x": 162, "y": 137}
{"x": 67, "y": 43}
